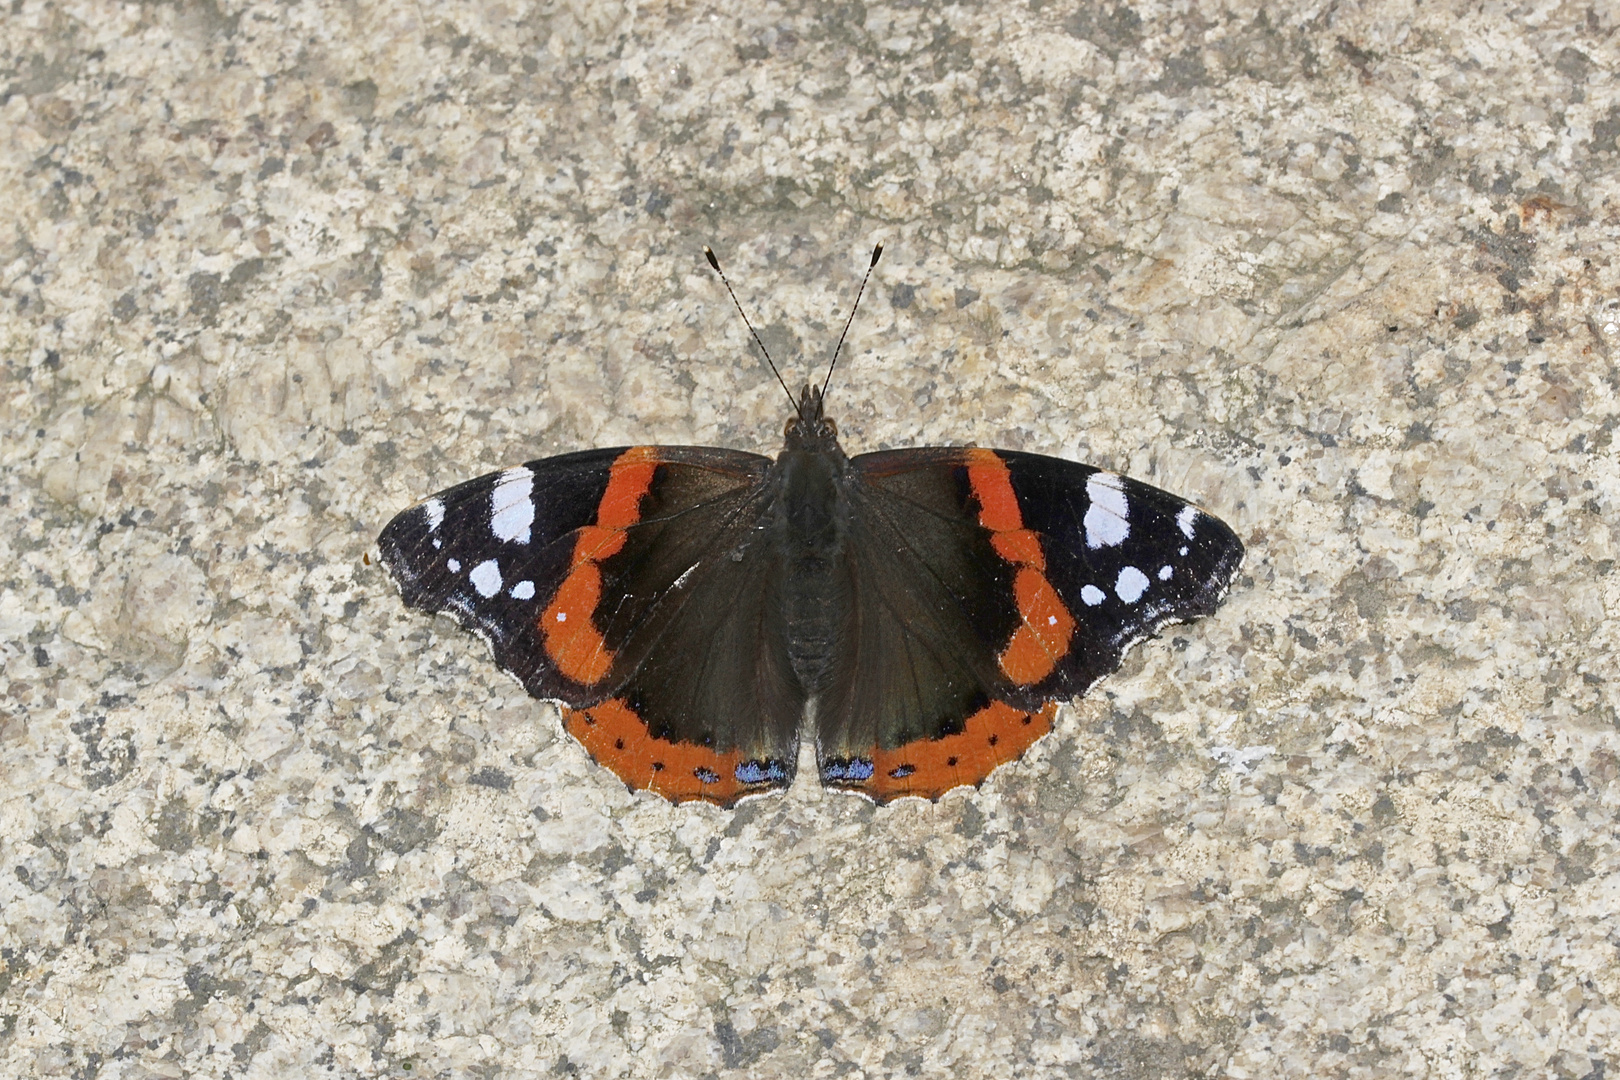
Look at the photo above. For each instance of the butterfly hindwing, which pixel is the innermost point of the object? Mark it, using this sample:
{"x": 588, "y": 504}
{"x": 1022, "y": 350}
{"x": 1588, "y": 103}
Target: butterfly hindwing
{"x": 929, "y": 602}
{"x": 691, "y": 615}
{"x": 979, "y": 583}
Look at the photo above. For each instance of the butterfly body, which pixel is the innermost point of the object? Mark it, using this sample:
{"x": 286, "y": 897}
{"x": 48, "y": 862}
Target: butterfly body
{"x": 808, "y": 530}
{"x": 916, "y": 614}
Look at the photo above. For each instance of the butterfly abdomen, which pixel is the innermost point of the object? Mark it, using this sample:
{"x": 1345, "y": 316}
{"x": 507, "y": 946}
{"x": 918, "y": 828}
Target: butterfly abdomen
{"x": 811, "y": 527}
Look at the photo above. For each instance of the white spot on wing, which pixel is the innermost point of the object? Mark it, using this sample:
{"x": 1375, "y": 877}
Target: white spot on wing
{"x": 511, "y": 506}
{"x": 523, "y": 590}
{"x": 486, "y": 578}
{"x": 562, "y": 616}
{"x": 1092, "y": 595}
{"x": 454, "y": 565}
{"x": 1131, "y": 585}
{"x": 433, "y": 509}
{"x": 1106, "y": 518}
{"x": 1164, "y": 573}
{"x": 1185, "y": 519}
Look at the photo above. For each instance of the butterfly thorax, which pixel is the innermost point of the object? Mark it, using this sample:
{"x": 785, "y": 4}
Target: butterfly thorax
{"x": 810, "y": 527}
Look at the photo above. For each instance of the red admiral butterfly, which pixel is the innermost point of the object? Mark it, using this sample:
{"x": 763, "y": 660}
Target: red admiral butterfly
{"x": 928, "y": 608}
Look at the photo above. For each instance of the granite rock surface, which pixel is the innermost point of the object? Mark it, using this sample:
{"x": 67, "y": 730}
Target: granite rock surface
{"x": 1343, "y": 273}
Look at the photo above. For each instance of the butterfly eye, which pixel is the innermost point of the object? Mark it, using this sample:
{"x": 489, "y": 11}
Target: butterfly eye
{"x": 793, "y": 422}
{"x": 829, "y": 429}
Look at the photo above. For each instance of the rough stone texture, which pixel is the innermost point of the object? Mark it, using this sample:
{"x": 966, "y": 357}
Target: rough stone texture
{"x": 1343, "y": 273}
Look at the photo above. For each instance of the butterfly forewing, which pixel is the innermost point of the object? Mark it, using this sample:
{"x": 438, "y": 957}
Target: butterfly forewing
{"x": 491, "y": 552}
{"x": 1126, "y": 558}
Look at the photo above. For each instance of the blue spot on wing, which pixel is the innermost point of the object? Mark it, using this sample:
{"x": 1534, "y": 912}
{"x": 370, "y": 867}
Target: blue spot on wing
{"x": 854, "y": 769}
{"x": 761, "y": 772}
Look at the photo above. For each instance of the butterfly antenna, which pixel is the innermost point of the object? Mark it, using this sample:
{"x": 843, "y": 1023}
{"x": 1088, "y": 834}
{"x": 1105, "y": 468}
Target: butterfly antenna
{"x": 708, "y": 253}
{"x": 877, "y": 253}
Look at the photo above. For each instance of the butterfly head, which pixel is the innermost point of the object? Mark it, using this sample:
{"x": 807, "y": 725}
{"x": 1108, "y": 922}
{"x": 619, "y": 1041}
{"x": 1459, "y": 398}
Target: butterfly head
{"x": 809, "y": 428}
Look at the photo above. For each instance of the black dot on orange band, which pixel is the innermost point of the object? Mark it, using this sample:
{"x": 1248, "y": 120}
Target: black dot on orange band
{"x": 951, "y": 761}
{"x": 618, "y": 744}
{"x": 1026, "y": 721}
{"x": 995, "y": 739}
{"x": 658, "y": 766}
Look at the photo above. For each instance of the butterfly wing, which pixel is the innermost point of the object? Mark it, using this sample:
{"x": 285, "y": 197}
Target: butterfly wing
{"x": 1123, "y": 557}
{"x": 490, "y": 552}
{"x": 988, "y": 586}
{"x": 626, "y": 584}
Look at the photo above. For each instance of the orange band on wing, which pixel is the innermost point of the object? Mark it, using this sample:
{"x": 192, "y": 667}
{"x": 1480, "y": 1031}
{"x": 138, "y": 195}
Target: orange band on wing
{"x": 628, "y": 480}
{"x": 1035, "y": 647}
{"x": 572, "y": 640}
{"x": 995, "y": 735}
{"x": 594, "y": 543}
{"x": 681, "y": 772}
{"x": 992, "y": 486}
{"x": 1021, "y": 547}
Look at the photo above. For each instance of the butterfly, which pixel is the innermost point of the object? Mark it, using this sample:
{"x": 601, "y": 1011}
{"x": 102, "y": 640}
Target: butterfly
{"x": 918, "y": 615}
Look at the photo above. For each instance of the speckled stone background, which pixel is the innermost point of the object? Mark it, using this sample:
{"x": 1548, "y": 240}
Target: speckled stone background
{"x": 1343, "y": 273}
